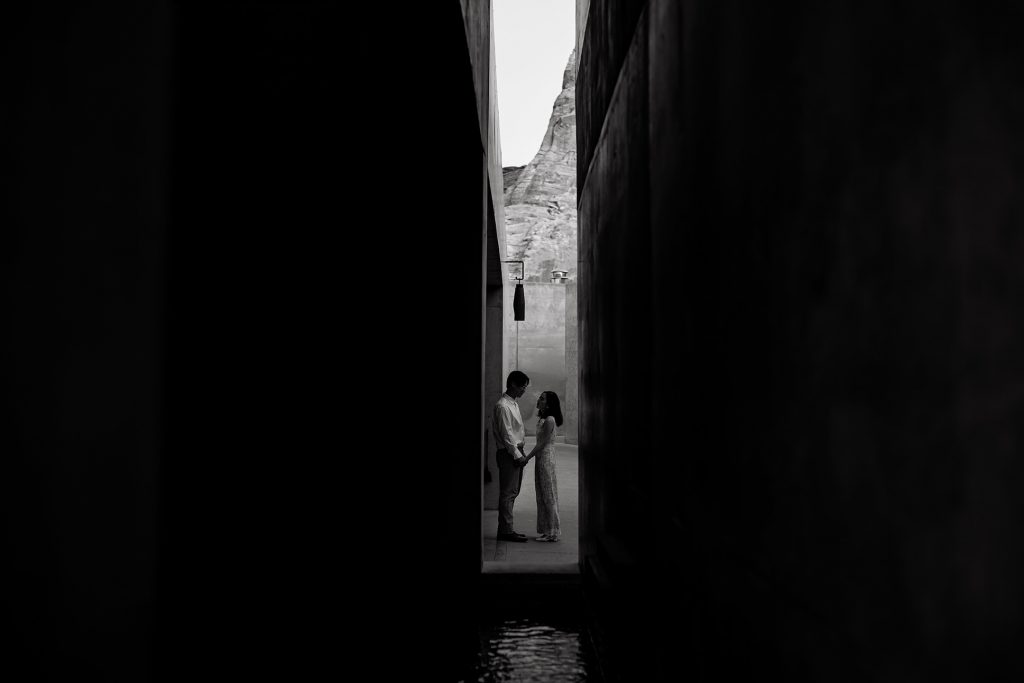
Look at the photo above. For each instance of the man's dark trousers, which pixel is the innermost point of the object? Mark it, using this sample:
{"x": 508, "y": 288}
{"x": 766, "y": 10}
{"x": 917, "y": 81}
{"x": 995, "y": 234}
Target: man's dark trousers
{"x": 510, "y": 478}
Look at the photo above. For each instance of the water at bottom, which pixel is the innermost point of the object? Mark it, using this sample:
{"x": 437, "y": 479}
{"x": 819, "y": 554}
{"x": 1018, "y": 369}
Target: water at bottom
{"x": 532, "y": 650}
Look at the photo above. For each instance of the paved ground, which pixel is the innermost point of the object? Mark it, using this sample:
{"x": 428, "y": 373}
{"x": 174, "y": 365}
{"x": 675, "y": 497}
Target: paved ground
{"x": 564, "y": 551}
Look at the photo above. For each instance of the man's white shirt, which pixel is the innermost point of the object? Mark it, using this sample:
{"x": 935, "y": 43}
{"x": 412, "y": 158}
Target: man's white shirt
{"x": 507, "y": 425}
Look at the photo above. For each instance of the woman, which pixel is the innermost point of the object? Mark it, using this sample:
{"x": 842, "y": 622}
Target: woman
{"x": 549, "y": 413}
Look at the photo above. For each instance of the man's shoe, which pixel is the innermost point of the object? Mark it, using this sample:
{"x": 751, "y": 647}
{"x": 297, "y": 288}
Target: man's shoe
{"x": 516, "y": 538}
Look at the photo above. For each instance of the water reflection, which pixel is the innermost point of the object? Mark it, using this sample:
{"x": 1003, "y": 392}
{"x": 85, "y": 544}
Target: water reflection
{"x": 528, "y": 650}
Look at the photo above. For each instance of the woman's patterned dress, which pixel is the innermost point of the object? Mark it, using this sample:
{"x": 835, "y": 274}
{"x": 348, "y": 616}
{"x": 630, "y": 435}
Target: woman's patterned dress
{"x": 545, "y": 480}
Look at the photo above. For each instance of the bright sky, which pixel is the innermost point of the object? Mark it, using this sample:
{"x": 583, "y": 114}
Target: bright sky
{"x": 532, "y": 43}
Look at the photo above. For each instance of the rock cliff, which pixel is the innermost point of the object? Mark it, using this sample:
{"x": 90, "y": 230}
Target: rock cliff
{"x": 540, "y": 198}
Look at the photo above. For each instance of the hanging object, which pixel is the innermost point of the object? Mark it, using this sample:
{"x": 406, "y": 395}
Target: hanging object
{"x": 519, "y": 303}
{"x": 519, "y": 298}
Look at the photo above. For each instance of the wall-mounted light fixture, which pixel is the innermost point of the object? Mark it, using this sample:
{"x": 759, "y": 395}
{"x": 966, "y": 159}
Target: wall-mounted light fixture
{"x": 519, "y": 299}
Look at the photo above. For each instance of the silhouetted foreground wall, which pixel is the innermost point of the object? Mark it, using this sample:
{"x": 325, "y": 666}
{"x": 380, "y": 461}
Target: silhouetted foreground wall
{"x": 800, "y": 330}
{"x": 83, "y": 235}
{"x": 200, "y": 203}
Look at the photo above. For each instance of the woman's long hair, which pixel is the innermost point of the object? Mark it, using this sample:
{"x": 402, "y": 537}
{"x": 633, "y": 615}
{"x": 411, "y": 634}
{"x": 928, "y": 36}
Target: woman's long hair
{"x": 553, "y": 407}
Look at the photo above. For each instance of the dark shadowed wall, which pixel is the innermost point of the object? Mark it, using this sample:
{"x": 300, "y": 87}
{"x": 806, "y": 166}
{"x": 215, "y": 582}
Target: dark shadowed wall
{"x": 801, "y": 404}
{"x": 83, "y": 230}
{"x": 373, "y": 510}
{"x": 219, "y": 459}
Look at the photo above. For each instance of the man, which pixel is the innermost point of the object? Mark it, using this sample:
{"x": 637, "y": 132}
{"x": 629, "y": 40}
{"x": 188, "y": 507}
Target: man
{"x": 510, "y": 437}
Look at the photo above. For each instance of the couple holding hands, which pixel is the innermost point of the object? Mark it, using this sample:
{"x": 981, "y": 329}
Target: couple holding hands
{"x": 510, "y": 435}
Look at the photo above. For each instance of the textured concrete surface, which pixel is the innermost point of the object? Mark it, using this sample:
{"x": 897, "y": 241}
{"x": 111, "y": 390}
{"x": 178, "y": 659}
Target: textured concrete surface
{"x": 541, "y": 345}
{"x": 547, "y": 342}
{"x": 800, "y": 387}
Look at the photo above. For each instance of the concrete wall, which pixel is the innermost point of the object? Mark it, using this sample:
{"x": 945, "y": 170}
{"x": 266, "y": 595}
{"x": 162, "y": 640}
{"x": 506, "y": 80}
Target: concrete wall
{"x": 543, "y": 338}
{"x": 799, "y": 338}
{"x": 477, "y": 18}
{"x": 316, "y": 474}
{"x": 83, "y": 256}
{"x": 203, "y": 200}
{"x": 494, "y": 386}
{"x": 303, "y": 474}
{"x": 570, "y": 402}
{"x": 582, "y": 11}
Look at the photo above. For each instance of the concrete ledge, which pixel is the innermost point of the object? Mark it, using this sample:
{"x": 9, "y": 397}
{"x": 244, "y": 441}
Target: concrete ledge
{"x": 530, "y": 588}
{"x": 531, "y": 568}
